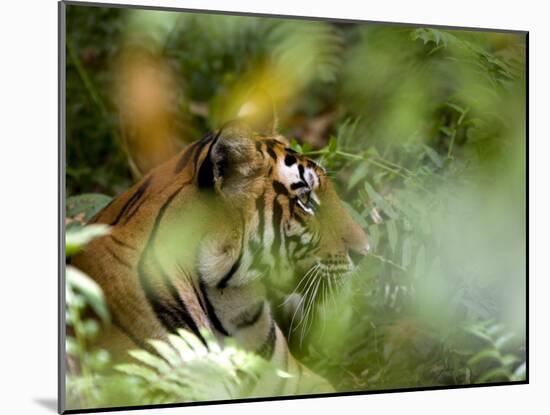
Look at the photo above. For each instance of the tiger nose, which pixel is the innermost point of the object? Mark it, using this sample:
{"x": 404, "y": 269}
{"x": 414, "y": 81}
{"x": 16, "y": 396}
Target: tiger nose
{"x": 356, "y": 239}
{"x": 362, "y": 250}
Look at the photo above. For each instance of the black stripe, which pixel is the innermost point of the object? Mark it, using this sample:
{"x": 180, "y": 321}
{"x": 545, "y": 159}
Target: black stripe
{"x": 170, "y": 315}
{"x": 276, "y": 223}
{"x": 300, "y": 220}
{"x": 117, "y": 257}
{"x": 301, "y": 171}
{"x": 94, "y": 218}
{"x": 260, "y": 206}
{"x": 199, "y": 298}
{"x": 298, "y": 185}
{"x": 223, "y": 282}
{"x": 191, "y": 150}
{"x": 289, "y": 150}
{"x": 270, "y": 142}
{"x": 198, "y": 153}
{"x": 268, "y": 347}
{"x": 250, "y": 316}
{"x": 210, "y": 310}
{"x": 139, "y": 343}
{"x": 120, "y": 242}
{"x": 272, "y": 153}
{"x": 181, "y": 309}
{"x": 295, "y": 238}
{"x": 257, "y": 258}
{"x": 184, "y": 159}
{"x": 132, "y": 212}
{"x": 133, "y": 199}
{"x": 258, "y": 146}
{"x": 205, "y": 176}
{"x": 280, "y": 188}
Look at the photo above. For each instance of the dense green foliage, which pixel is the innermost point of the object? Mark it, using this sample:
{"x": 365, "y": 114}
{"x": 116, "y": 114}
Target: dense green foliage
{"x": 422, "y": 131}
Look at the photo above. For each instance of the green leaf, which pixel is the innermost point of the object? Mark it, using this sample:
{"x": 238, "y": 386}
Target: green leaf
{"x": 76, "y": 238}
{"x": 296, "y": 146}
{"x": 358, "y": 174}
{"x": 137, "y": 370}
{"x": 406, "y": 255}
{"x": 201, "y": 373}
{"x": 420, "y": 266}
{"x": 90, "y": 328}
{"x": 520, "y": 372}
{"x": 503, "y": 340}
{"x": 508, "y": 360}
{"x": 89, "y": 289}
{"x": 379, "y": 201}
{"x": 71, "y": 346}
{"x": 167, "y": 352}
{"x": 211, "y": 341}
{"x": 494, "y": 374}
{"x": 83, "y": 207}
{"x": 374, "y": 237}
{"x": 456, "y": 107}
{"x": 434, "y": 157}
{"x": 479, "y": 334}
{"x": 193, "y": 342}
{"x": 392, "y": 234}
{"x": 149, "y": 359}
{"x": 355, "y": 215}
{"x": 185, "y": 352}
{"x": 332, "y": 144}
{"x": 484, "y": 355}
{"x": 446, "y": 130}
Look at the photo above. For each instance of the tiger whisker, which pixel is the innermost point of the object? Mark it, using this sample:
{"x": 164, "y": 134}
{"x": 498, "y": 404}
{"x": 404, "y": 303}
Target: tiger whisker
{"x": 308, "y": 274}
{"x": 333, "y": 292}
{"x": 304, "y": 278}
{"x": 310, "y": 277}
{"x": 324, "y": 308}
{"x": 310, "y": 287}
{"x": 310, "y": 311}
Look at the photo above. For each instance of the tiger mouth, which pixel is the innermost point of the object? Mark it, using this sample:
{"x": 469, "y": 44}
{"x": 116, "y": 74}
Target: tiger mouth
{"x": 335, "y": 268}
{"x": 318, "y": 286}
{"x": 324, "y": 272}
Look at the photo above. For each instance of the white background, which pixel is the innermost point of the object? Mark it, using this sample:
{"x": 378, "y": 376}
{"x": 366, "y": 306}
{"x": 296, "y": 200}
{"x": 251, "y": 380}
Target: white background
{"x": 28, "y": 203}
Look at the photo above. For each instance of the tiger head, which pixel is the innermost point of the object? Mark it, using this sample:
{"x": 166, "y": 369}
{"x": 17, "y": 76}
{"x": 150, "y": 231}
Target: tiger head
{"x": 295, "y": 222}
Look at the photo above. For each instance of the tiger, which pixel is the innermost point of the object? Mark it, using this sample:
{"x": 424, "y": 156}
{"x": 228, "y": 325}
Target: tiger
{"x": 192, "y": 242}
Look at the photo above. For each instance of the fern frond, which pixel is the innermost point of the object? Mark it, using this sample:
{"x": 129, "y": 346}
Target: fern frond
{"x": 187, "y": 370}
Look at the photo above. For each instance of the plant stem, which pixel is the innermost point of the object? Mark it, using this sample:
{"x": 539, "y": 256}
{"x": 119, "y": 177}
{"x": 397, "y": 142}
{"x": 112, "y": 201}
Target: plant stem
{"x": 388, "y": 261}
{"x": 94, "y": 95}
{"x": 81, "y": 351}
{"x": 88, "y": 84}
{"x": 451, "y": 144}
{"x": 377, "y": 161}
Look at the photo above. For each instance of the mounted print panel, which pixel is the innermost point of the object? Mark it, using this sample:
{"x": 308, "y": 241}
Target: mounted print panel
{"x": 275, "y": 207}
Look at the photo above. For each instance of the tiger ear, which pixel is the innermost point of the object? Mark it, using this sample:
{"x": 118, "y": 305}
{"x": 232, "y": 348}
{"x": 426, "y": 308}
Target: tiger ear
{"x": 258, "y": 111}
{"x": 231, "y": 165}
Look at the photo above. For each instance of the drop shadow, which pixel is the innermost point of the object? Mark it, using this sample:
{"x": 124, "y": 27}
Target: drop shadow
{"x": 48, "y": 403}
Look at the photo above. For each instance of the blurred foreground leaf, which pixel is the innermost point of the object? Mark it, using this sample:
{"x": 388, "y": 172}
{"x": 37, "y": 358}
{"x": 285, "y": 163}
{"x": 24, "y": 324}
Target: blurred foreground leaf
{"x": 188, "y": 370}
{"x": 89, "y": 289}
{"x": 76, "y": 238}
